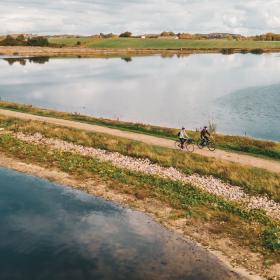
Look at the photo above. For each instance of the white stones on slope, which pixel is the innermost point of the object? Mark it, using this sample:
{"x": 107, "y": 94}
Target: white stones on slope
{"x": 206, "y": 183}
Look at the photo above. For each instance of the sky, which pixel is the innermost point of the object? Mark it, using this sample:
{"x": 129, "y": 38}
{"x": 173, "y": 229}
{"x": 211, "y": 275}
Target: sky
{"x": 88, "y": 17}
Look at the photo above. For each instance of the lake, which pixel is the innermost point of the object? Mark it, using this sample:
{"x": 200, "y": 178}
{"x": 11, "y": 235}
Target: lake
{"x": 51, "y": 232}
{"x": 238, "y": 92}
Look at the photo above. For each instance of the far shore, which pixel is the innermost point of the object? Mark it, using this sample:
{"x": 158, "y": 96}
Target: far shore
{"x": 96, "y": 52}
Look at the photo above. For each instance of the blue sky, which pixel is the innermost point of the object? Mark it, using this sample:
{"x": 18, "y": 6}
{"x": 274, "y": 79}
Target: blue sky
{"x": 139, "y": 16}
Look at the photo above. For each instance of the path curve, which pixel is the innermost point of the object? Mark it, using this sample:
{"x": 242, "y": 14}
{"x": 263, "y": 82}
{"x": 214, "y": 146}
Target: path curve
{"x": 270, "y": 165}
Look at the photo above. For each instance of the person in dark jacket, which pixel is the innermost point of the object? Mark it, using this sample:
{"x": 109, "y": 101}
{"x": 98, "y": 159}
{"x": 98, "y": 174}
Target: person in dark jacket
{"x": 204, "y": 133}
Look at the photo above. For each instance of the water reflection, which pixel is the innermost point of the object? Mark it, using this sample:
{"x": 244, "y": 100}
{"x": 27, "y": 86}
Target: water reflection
{"x": 51, "y": 232}
{"x": 172, "y": 92}
{"x": 127, "y": 59}
{"x": 22, "y": 61}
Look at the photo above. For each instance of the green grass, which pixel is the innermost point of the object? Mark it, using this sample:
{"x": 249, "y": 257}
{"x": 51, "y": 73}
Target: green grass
{"x": 252, "y": 180}
{"x": 249, "y": 228}
{"x": 243, "y": 144}
{"x": 165, "y": 43}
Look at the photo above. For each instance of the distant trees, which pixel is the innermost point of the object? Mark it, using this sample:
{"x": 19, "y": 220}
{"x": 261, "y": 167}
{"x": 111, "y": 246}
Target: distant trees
{"x": 107, "y": 36}
{"x": 38, "y": 41}
{"x": 126, "y": 34}
{"x": 167, "y": 34}
{"x": 267, "y": 37}
{"x": 22, "y": 41}
{"x": 11, "y": 41}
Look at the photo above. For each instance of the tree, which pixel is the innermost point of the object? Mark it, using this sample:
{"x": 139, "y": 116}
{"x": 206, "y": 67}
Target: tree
{"x": 126, "y": 34}
{"x": 11, "y": 41}
{"x": 38, "y": 41}
{"x": 167, "y": 34}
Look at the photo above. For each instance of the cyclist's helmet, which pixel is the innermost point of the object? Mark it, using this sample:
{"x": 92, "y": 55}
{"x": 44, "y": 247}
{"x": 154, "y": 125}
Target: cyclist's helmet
{"x": 183, "y": 128}
{"x": 205, "y": 126}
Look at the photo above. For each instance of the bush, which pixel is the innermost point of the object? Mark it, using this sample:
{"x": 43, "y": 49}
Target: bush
{"x": 21, "y": 41}
{"x": 126, "y": 34}
{"x": 167, "y": 34}
{"x": 38, "y": 41}
{"x": 11, "y": 41}
{"x": 271, "y": 239}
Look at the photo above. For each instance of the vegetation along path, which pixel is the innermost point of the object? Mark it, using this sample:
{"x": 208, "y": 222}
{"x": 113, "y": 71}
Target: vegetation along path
{"x": 267, "y": 164}
{"x": 207, "y": 183}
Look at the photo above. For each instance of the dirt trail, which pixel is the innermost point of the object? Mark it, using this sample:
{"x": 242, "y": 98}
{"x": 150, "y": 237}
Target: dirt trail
{"x": 267, "y": 164}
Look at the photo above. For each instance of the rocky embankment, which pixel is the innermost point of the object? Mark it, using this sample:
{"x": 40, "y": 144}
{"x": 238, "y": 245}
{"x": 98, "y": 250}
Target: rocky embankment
{"x": 206, "y": 183}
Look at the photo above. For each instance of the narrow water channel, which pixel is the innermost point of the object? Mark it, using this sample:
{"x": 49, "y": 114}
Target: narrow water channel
{"x": 51, "y": 232}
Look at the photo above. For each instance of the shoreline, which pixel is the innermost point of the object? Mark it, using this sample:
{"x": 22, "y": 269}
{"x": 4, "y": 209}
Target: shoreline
{"x": 214, "y": 228}
{"x": 155, "y": 209}
{"x": 93, "y": 52}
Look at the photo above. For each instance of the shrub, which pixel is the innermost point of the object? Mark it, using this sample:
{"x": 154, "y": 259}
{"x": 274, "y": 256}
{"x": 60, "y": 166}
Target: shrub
{"x": 38, "y": 41}
{"x": 167, "y": 34}
{"x": 212, "y": 127}
{"x": 126, "y": 34}
{"x": 11, "y": 41}
{"x": 271, "y": 239}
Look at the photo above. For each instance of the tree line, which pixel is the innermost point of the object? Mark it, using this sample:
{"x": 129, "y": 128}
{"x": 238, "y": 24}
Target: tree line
{"x": 21, "y": 40}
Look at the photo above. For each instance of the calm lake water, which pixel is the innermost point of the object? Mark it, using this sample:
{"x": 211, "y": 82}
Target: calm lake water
{"x": 50, "y": 232}
{"x": 240, "y": 93}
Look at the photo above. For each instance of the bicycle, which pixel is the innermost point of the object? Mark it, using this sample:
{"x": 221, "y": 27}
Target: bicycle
{"x": 188, "y": 145}
{"x": 206, "y": 143}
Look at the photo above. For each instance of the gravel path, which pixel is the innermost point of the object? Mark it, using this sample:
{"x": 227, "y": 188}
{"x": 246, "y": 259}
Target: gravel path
{"x": 268, "y": 164}
{"x": 207, "y": 183}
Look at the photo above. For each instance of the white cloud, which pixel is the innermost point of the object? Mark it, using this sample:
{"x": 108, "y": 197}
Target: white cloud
{"x": 89, "y": 17}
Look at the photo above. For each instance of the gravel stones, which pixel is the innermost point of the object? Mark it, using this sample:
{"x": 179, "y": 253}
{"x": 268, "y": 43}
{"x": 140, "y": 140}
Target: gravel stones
{"x": 206, "y": 183}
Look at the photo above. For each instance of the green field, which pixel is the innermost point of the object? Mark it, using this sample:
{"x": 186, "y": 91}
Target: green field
{"x": 164, "y": 43}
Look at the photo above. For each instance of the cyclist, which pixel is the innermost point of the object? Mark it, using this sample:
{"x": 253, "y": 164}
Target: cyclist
{"x": 183, "y": 137}
{"x": 204, "y": 133}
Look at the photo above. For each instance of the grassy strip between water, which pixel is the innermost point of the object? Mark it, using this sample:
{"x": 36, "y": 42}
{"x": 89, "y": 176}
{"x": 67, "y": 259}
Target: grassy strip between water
{"x": 163, "y": 44}
{"x": 252, "y": 229}
{"x": 247, "y": 145}
{"x": 252, "y": 180}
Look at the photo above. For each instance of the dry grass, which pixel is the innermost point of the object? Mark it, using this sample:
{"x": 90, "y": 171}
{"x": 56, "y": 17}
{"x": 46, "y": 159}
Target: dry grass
{"x": 248, "y": 145}
{"x": 253, "y": 180}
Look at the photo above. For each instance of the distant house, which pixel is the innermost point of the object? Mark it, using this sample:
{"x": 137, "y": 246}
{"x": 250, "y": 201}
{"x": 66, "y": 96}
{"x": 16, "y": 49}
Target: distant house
{"x": 143, "y": 37}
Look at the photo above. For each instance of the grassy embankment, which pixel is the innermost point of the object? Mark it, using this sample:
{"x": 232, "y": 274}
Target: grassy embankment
{"x": 243, "y": 144}
{"x": 253, "y": 180}
{"x": 138, "y": 43}
{"x": 250, "y": 229}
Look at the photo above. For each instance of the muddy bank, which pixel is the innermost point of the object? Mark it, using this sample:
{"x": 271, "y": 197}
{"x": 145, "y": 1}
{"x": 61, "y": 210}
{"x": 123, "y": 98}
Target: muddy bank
{"x": 94, "y": 52}
{"x": 228, "y": 252}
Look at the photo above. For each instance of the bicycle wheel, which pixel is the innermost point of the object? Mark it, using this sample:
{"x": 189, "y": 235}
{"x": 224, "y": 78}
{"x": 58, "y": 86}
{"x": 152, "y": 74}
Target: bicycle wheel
{"x": 199, "y": 144}
{"x": 211, "y": 146}
{"x": 190, "y": 147}
{"x": 177, "y": 145}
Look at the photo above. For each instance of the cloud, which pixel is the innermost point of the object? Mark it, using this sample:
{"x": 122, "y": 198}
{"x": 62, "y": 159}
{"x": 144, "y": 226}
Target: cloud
{"x": 90, "y": 17}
